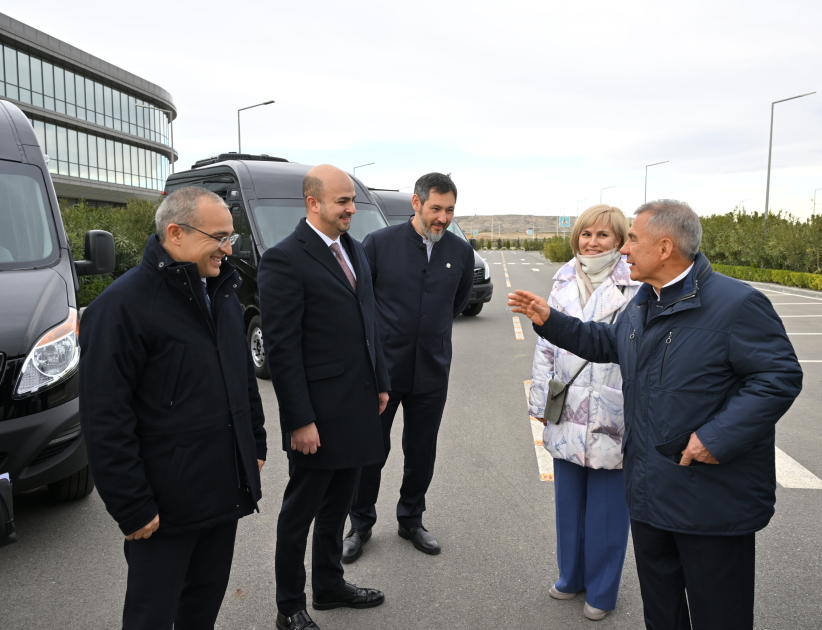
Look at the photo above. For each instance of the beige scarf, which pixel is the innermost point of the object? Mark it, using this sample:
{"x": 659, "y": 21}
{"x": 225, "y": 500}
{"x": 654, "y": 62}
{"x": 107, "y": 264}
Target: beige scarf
{"x": 592, "y": 272}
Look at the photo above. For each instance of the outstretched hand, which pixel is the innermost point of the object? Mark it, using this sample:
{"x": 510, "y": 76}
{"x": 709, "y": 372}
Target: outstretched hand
{"x": 532, "y": 306}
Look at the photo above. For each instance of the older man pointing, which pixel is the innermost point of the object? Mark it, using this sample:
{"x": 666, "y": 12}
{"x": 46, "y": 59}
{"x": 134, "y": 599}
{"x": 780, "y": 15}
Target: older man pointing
{"x": 708, "y": 371}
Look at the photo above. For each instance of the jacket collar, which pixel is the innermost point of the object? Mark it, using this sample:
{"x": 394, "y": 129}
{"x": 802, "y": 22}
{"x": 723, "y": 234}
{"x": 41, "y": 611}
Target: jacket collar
{"x": 415, "y": 236}
{"x": 316, "y": 247}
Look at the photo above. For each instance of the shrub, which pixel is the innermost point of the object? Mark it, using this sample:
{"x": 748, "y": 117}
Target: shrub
{"x": 776, "y": 276}
{"x": 507, "y": 243}
{"x": 558, "y": 249}
{"x": 130, "y": 226}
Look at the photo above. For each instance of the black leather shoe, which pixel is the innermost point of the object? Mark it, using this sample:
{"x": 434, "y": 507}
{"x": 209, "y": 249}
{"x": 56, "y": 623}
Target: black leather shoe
{"x": 349, "y": 596}
{"x": 353, "y": 543}
{"x": 421, "y": 539}
{"x": 297, "y": 621}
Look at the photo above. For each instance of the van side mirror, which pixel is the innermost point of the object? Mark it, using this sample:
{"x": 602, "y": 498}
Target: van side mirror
{"x": 473, "y": 242}
{"x": 237, "y": 249}
{"x": 99, "y": 254}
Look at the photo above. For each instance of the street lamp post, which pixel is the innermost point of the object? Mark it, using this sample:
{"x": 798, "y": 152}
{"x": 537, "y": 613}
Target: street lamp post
{"x": 170, "y": 127}
{"x": 239, "y": 139}
{"x": 739, "y": 205}
{"x": 361, "y": 166}
{"x": 600, "y": 192}
{"x": 814, "y": 200}
{"x": 770, "y": 148}
{"x": 646, "y": 177}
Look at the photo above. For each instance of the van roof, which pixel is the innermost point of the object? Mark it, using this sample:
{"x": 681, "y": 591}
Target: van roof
{"x": 233, "y": 155}
{"x": 15, "y": 130}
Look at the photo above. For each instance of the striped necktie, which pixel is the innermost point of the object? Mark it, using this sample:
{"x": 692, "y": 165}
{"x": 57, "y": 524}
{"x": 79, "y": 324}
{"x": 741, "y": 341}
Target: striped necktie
{"x": 335, "y": 247}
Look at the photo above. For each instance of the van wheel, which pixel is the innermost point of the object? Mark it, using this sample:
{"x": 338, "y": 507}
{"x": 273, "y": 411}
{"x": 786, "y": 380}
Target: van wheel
{"x": 255, "y": 342}
{"x": 473, "y": 310}
{"x": 75, "y": 486}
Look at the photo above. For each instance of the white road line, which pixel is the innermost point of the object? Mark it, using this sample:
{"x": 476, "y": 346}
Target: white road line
{"x": 805, "y": 333}
{"x": 497, "y": 263}
{"x": 799, "y": 295}
{"x": 810, "y": 361}
{"x": 797, "y": 303}
{"x": 791, "y": 474}
{"x": 534, "y": 269}
{"x": 518, "y": 330}
{"x": 785, "y": 316}
{"x": 540, "y": 263}
{"x": 545, "y": 463}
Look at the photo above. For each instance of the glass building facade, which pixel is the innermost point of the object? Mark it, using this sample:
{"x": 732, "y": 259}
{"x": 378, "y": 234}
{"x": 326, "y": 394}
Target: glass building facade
{"x": 85, "y": 150}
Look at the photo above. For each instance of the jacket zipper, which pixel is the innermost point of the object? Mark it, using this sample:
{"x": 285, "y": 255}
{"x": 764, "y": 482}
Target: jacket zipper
{"x": 665, "y": 355}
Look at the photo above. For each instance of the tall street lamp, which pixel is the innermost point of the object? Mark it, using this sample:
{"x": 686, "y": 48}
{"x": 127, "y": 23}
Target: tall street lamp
{"x": 361, "y": 166}
{"x": 646, "y": 176}
{"x": 814, "y": 200}
{"x": 739, "y": 205}
{"x": 770, "y": 147}
{"x": 578, "y": 205}
{"x": 239, "y": 140}
{"x": 600, "y": 192}
{"x": 170, "y": 127}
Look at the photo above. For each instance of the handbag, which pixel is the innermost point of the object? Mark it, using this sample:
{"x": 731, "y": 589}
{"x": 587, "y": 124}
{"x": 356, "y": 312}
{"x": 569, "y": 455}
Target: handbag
{"x": 558, "y": 392}
{"x": 8, "y": 532}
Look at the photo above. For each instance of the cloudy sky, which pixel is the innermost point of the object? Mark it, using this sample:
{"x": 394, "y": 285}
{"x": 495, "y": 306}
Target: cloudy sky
{"x": 533, "y": 106}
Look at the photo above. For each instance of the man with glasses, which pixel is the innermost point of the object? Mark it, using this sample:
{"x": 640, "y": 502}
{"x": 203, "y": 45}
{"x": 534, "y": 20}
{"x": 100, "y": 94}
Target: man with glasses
{"x": 171, "y": 415}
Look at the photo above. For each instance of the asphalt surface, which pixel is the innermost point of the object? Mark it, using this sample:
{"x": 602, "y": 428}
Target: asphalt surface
{"x": 487, "y": 506}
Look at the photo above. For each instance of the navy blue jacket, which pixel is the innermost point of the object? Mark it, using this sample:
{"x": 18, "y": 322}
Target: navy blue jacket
{"x": 169, "y": 406}
{"x": 716, "y": 362}
{"x": 322, "y": 349}
{"x": 417, "y": 302}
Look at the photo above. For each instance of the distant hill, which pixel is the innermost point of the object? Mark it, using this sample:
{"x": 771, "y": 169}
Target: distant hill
{"x": 513, "y": 225}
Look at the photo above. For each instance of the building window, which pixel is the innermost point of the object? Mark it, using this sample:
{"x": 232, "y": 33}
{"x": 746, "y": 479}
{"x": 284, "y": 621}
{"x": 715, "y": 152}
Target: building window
{"x": 36, "y": 82}
{"x": 87, "y": 156}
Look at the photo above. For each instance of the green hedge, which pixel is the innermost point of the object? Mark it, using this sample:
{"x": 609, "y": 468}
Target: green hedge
{"x": 558, "y": 249}
{"x": 777, "y": 276}
{"x": 130, "y": 226}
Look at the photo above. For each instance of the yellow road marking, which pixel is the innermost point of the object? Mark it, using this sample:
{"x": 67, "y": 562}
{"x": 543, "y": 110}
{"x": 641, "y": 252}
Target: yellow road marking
{"x": 545, "y": 463}
{"x": 518, "y": 330}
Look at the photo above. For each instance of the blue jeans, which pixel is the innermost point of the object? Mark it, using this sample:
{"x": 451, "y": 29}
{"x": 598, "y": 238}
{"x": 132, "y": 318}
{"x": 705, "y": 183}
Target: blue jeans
{"x": 592, "y": 531}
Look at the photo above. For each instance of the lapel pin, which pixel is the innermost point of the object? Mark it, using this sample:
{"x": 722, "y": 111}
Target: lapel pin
{"x": 448, "y": 265}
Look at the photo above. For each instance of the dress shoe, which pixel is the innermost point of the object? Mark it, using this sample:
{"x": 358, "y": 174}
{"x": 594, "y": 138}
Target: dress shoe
{"x": 353, "y": 543}
{"x": 553, "y": 592}
{"x": 349, "y": 596}
{"x": 421, "y": 539}
{"x": 594, "y": 614}
{"x": 297, "y": 621}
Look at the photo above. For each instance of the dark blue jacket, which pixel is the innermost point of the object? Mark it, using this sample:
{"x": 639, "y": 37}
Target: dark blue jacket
{"x": 322, "y": 349}
{"x": 716, "y": 362}
{"x": 417, "y": 302}
{"x": 169, "y": 406}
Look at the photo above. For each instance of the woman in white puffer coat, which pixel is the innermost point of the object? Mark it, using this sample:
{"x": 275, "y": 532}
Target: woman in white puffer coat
{"x": 591, "y": 514}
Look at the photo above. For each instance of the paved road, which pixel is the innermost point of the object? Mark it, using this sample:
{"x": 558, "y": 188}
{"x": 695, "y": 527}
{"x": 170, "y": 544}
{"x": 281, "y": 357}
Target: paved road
{"x": 487, "y": 505}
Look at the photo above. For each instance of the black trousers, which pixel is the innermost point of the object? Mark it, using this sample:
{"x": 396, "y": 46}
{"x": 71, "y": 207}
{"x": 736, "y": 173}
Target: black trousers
{"x": 422, "y": 415}
{"x": 179, "y": 580}
{"x": 324, "y": 497}
{"x": 716, "y": 572}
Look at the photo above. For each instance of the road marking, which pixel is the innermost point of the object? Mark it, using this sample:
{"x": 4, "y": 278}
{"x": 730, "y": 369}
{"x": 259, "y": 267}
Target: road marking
{"x": 497, "y": 263}
{"x": 809, "y": 361}
{"x": 784, "y": 316}
{"x": 805, "y": 333}
{"x": 518, "y": 330}
{"x": 809, "y": 297}
{"x": 508, "y": 283}
{"x": 797, "y": 303}
{"x": 540, "y": 263}
{"x": 534, "y": 269}
{"x": 545, "y": 463}
{"x": 791, "y": 474}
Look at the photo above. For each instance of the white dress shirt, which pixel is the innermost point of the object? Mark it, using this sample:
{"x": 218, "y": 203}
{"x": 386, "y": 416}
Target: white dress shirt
{"x": 429, "y": 246}
{"x": 329, "y": 242}
{"x": 674, "y": 281}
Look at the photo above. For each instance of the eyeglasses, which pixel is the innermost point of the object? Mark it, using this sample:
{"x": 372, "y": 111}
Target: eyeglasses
{"x": 223, "y": 240}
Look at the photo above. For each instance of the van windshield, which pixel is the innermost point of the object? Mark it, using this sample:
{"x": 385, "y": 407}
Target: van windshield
{"x": 456, "y": 229}
{"x": 277, "y": 218}
{"x": 27, "y": 236}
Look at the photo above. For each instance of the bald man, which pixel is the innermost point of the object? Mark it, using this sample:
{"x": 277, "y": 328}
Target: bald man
{"x": 327, "y": 367}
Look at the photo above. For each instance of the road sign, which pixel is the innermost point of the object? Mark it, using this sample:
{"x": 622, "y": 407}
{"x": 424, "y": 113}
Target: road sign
{"x": 565, "y": 222}
{"x": 529, "y": 232}
{"x": 476, "y": 232}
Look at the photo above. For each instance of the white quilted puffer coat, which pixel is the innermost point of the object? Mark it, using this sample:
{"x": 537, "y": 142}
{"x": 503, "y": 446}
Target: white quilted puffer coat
{"x": 590, "y": 431}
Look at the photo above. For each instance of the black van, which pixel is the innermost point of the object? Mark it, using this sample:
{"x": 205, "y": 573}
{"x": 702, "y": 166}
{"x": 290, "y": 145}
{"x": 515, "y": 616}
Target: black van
{"x": 265, "y": 197}
{"x": 40, "y": 440}
{"x": 397, "y": 208}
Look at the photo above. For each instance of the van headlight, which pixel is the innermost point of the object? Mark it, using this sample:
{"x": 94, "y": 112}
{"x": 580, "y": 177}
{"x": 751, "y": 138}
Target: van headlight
{"x": 54, "y": 358}
{"x": 487, "y": 269}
